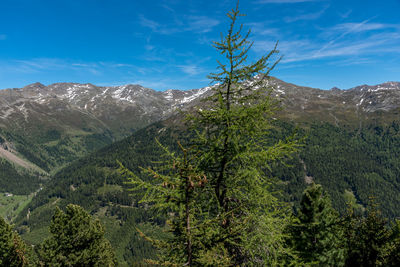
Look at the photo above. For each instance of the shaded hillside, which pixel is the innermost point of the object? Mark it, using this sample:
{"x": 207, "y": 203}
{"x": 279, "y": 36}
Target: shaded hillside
{"x": 345, "y": 161}
{"x": 95, "y": 184}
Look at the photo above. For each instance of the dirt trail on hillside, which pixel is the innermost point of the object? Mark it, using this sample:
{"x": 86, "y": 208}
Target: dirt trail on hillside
{"x": 15, "y": 159}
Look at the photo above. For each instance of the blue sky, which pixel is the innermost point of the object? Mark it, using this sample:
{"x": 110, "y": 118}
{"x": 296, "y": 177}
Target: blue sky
{"x": 164, "y": 44}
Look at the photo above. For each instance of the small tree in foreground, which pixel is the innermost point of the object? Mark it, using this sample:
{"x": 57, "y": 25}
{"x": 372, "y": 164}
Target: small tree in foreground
{"x": 368, "y": 238}
{"x": 390, "y": 252}
{"x": 76, "y": 240}
{"x": 12, "y": 248}
{"x": 175, "y": 190}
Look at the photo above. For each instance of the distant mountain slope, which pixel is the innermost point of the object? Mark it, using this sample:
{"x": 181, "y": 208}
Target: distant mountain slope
{"x": 119, "y": 109}
{"x": 50, "y": 126}
{"x": 94, "y": 183}
{"x": 354, "y": 106}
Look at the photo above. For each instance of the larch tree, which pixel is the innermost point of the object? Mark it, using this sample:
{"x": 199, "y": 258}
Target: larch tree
{"x": 217, "y": 194}
{"x": 12, "y": 248}
{"x": 174, "y": 189}
{"x": 235, "y": 154}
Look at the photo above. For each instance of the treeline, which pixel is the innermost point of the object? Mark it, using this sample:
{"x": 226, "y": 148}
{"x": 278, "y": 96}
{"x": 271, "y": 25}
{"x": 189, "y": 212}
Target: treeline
{"x": 314, "y": 235}
{"x": 319, "y": 236}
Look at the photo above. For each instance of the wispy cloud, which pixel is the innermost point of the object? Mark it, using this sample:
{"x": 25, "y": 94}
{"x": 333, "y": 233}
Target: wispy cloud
{"x": 156, "y": 27}
{"x": 302, "y": 50}
{"x": 346, "y": 14}
{"x": 352, "y": 61}
{"x": 262, "y": 28}
{"x": 191, "y": 69}
{"x": 39, "y": 65}
{"x": 284, "y": 1}
{"x": 353, "y": 28}
{"x": 365, "y": 39}
{"x": 307, "y": 16}
{"x": 3, "y": 37}
{"x": 363, "y": 26}
{"x": 201, "y": 24}
{"x": 197, "y": 24}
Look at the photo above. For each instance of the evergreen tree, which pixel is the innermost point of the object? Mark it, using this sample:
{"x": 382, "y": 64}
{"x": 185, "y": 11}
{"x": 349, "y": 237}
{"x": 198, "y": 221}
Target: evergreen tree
{"x": 12, "y": 248}
{"x": 236, "y": 155}
{"x": 76, "y": 240}
{"x": 367, "y": 238}
{"x": 390, "y": 253}
{"x": 217, "y": 194}
{"x": 316, "y": 234}
{"x": 174, "y": 189}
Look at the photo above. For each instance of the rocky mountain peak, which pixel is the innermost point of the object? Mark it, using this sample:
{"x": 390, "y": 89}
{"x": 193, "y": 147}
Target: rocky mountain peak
{"x": 114, "y": 105}
{"x": 34, "y": 86}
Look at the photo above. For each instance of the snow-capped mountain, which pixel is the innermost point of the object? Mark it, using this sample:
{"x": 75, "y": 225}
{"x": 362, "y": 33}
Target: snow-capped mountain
{"x": 58, "y": 122}
{"x": 52, "y": 125}
{"x": 129, "y": 107}
{"x": 104, "y": 103}
{"x": 352, "y": 106}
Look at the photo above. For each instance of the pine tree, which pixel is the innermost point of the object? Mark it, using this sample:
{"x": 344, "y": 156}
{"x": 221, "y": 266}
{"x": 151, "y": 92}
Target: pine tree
{"x": 12, "y": 248}
{"x": 217, "y": 194}
{"x": 367, "y": 237}
{"x": 316, "y": 234}
{"x": 76, "y": 240}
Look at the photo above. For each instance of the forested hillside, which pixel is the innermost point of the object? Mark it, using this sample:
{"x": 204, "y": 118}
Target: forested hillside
{"x": 94, "y": 183}
{"x": 248, "y": 171}
{"x": 345, "y": 161}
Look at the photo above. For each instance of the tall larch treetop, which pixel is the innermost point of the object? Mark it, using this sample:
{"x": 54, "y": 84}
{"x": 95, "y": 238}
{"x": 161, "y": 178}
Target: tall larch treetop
{"x": 216, "y": 194}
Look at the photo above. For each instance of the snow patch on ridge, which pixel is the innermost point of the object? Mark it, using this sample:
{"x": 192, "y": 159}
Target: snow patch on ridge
{"x": 199, "y": 93}
{"x": 169, "y": 95}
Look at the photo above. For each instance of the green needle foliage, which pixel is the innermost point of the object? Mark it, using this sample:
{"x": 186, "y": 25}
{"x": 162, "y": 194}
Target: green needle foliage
{"x": 217, "y": 194}
{"x": 368, "y": 239}
{"x": 76, "y": 240}
{"x": 174, "y": 189}
{"x": 316, "y": 234}
{"x": 235, "y": 154}
{"x": 12, "y": 248}
{"x": 390, "y": 252}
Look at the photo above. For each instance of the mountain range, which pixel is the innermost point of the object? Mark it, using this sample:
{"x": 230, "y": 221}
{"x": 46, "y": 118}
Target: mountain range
{"x": 71, "y": 119}
{"x": 60, "y": 143}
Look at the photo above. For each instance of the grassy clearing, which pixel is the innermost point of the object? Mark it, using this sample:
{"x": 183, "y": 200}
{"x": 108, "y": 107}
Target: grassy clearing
{"x": 108, "y": 188}
{"x": 12, "y": 205}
